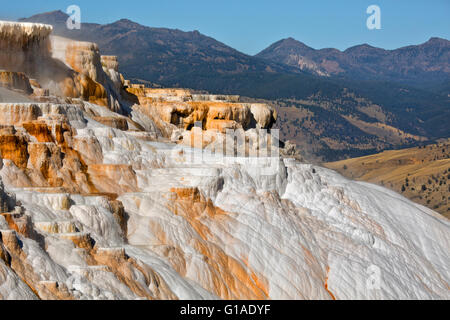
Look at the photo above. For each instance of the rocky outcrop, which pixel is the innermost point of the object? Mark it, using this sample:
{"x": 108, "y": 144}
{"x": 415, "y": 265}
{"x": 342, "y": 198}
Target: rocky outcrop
{"x": 18, "y": 113}
{"x": 98, "y": 78}
{"x": 15, "y": 148}
{"x": 110, "y": 66}
{"x": 151, "y": 94}
{"x": 60, "y": 67}
{"x": 15, "y": 80}
{"x": 41, "y": 146}
{"x": 183, "y": 109}
{"x": 23, "y": 45}
{"x": 25, "y": 52}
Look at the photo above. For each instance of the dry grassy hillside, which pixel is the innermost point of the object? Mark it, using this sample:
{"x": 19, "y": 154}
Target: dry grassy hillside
{"x": 421, "y": 174}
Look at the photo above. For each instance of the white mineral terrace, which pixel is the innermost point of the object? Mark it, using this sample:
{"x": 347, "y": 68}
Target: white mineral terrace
{"x": 292, "y": 233}
{"x": 111, "y": 206}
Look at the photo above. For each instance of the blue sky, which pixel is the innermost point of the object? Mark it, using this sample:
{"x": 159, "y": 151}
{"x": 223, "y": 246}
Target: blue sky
{"x": 251, "y": 26}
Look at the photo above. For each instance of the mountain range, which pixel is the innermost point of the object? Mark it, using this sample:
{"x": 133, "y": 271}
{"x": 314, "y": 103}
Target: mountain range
{"x": 170, "y": 55}
{"x": 416, "y": 64}
{"x": 166, "y": 56}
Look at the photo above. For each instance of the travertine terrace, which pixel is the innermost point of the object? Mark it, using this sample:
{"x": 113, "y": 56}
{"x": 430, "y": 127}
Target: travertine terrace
{"x": 183, "y": 108}
{"x": 103, "y": 197}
